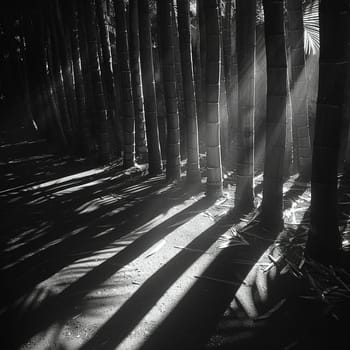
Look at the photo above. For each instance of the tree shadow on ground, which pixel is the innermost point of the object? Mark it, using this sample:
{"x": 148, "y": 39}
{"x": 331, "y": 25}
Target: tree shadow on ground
{"x": 58, "y": 308}
{"x": 191, "y": 321}
{"x": 289, "y": 314}
{"x": 63, "y": 242}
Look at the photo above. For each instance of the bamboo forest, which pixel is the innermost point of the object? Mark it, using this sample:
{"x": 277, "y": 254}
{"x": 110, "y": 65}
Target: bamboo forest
{"x": 175, "y": 174}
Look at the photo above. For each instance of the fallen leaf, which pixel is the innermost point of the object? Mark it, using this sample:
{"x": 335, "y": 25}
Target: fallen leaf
{"x": 231, "y": 244}
{"x": 191, "y": 249}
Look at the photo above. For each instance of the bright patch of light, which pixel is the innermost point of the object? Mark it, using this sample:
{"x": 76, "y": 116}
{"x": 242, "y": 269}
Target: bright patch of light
{"x": 57, "y": 181}
{"x": 178, "y": 289}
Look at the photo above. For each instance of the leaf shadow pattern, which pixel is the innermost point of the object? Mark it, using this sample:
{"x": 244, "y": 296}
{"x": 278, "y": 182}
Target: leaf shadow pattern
{"x": 60, "y": 307}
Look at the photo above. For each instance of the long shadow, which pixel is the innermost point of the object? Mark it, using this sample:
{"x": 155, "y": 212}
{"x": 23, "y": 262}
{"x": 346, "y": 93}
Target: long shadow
{"x": 236, "y": 330}
{"x": 195, "y": 318}
{"x": 45, "y": 191}
{"x": 200, "y": 312}
{"x": 36, "y": 168}
{"x": 31, "y": 206}
{"x": 62, "y": 214}
{"x": 61, "y": 307}
{"x": 67, "y": 174}
{"x": 48, "y": 261}
{"x": 190, "y": 318}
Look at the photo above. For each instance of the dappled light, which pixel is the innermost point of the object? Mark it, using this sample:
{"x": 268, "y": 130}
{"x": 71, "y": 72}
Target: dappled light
{"x": 160, "y": 260}
{"x": 174, "y": 174}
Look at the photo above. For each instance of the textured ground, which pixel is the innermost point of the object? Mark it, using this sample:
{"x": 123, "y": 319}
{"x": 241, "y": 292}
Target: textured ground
{"x": 105, "y": 258}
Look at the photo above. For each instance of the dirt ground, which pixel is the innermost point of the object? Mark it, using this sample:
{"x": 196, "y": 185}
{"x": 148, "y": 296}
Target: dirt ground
{"x": 106, "y": 258}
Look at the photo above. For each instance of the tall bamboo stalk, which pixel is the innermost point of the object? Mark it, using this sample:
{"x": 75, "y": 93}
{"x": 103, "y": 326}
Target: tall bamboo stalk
{"x": 202, "y": 74}
{"x": 229, "y": 29}
{"x": 214, "y": 168}
{"x": 66, "y": 65}
{"x": 50, "y": 85}
{"x": 106, "y": 63}
{"x": 147, "y": 69}
{"x": 179, "y": 82}
{"x": 87, "y": 79}
{"x": 184, "y": 25}
{"x": 57, "y": 78}
{"x": 246, "y": 42}
{"x": 100, "y": 114}
{"x": 324, "y": 241}
{"x": 298, "y": 88}
{"x": 128, "y": 111}
{"x": 34, "y": 59}
{"x": 345, "y": 150}
{"x": 80, "y": 91}
{"x": 117, "y": 118}
{"x": 173, "y": 164}
{"x": 134, "y": 47}
{"x": 24, "y": 74}
{"x": 272, "y": 204}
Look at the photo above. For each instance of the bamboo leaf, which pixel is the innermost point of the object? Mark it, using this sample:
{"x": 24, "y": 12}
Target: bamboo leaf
{"x": 311, "y": 28}
{"x": 232, "y": 244}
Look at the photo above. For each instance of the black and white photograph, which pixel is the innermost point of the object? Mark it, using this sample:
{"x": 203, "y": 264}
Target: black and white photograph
{"x": 174, "y": 174}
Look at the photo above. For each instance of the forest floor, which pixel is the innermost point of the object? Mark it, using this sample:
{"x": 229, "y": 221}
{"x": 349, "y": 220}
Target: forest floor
{"x": 106, "y": 258}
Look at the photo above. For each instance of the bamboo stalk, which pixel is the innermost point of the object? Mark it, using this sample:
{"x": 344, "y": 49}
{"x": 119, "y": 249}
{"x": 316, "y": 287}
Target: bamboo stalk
{"x": 246, "y": 42}
{"x": 147, "y": 70}
{"x": 193, "y": 173}
{"x": 272, "y": 206}
{"x": 128, "y": 112}
{"x": 214, "y": 168}
{"x": 167, "y": 46}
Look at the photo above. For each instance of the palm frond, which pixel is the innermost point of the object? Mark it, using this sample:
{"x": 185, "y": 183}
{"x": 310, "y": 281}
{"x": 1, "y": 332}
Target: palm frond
{"x": 311, "y": 27}
{"x": 259, "y": 13}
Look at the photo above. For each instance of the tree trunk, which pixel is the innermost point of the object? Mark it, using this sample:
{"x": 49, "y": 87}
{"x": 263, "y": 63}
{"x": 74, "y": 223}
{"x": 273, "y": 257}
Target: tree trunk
{"x": 324, "y": 240}
{"x": 179, "y": 82}
{"x": 57, "y": 80}
{"x": 202, "y": 75}
{"x": 80, "y": 91}
{"x": 34, "y": 60}
{"x": 344, "y": 153}
{"x": 25, "y": 79}
{"x": 50, "y": 85}
{"x": 289, "y": 152}
{"x": 106, "y": 65}
{"x": 147, "y": 70}
{"x": 214, "y": 169}
{"x": 117, "y": 119}
{"x": 196, "y": 56}
{"x": 66, "y": 66}
{"x": 85, "y": 68}
{"x": 184, "y": 25}
{"x": 298, "y": 89}
{"x": 140, "y": 131}
{"x": 173, "y": 166}
{"x": 128, "y": 111}
{"x": 276, "y": 61}
{"x": 101, "y": 123}
{"x": 246, "y": 41}
{"x": 228, "y": 56}
{"x": 160, "y": 99}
